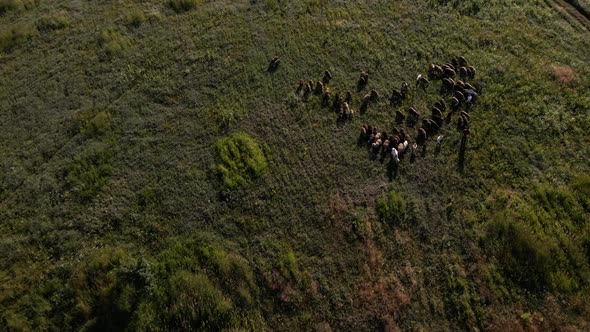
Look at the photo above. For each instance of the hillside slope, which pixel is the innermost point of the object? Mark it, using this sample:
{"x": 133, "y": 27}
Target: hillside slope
{"x": 154, "y": 175}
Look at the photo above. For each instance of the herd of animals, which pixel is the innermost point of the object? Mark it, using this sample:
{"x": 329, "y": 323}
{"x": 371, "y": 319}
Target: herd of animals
{"x": 458, "y": 96}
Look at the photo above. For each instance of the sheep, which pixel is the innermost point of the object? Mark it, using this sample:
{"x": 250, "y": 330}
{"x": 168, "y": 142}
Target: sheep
{"x": 345, "y": 111}
{"x": 459, "y": 95}
{"x": 306, "y": 91}
{"x": 327, "y": 77}
{"x": 448, "y": 84}
{"x": 300, "y": 87}
{"x": 413, "y": 116}
{"x": 376, "y": 146}
{"x": 326, "y": 97}
{"x": 459, "y": 84}
{"x": 463, "y": 73}
{"x": 435, "y": 72}
{"x": 348, "y": 98}
{"x": 396, "y": 98}
{"x": 365, "y": 103}
{"x": 337, "y": 102}
{"x": 471, "y": 72}
{"x": 436, "y": 112}
{"x": 455, "y": 103}
{"x": 319, "y": 88}
{"x": 455, "y": 62}
{"x": 441, "y": 105}
{"x": 462, "y": 123}
{"x": 465, "y": 114}
{"x": 404, "y": 90}
{"x": 434, "y": 125}
{"x": 363, "y": 80}
{"x": 363, "y": 134}
{"x": 421, "y": 136}
{"x": 399, "y": 117}
{"x": 385, "y": 148}
{"x": 462, "y": 61}
{"x": 274, "y": 64}
{"x": 469, "y": 86}
{"x": 401, "y": 135}
{"x": 369, "y": 133}
{"x": 374, "y": 94}
{"x": 448, "y": 66}
{"x": 438, "y": 120}
{"x": 449, "y": 73}
{"x": 421, "y": 82}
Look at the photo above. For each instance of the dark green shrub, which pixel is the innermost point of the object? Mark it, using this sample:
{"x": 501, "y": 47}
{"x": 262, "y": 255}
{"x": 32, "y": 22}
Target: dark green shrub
{"x": 9, "y": 5}
{"x": 89, "y": 172}
{"x": 181, "y": 6}
{"x": 394, "y": 209}
{"x": 112, "y": 42}
{"x": 13, "y": 36}
{"x": 54, "y": 22}
{"x": 91, "y": 123}
{"x": 242, "y": 159}
{"x": 525, "y": 258}
{"x": 135, "y": 18}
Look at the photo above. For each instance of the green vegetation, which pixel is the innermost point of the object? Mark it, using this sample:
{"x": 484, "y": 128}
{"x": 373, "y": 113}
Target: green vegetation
{"x": 15, "y": 35}
{"x": 394, "y": 209}
{"x": 181, "y": 6}
{"x": 89, "y": 172}
{"x": 9, "y": 5}
{"x": 155, "y": 176}
{"x": 53, "y": 22}
{"x": 113, "y": 42}
{"x": 242, "y": 159}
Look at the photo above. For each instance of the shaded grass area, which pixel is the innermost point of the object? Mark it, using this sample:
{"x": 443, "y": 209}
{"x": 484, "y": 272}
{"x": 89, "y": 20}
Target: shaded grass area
{"x": 108, "y": 169}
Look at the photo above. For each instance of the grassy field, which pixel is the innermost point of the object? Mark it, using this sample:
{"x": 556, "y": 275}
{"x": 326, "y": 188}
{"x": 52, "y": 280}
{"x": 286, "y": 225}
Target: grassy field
{"x": 155, "y": 176}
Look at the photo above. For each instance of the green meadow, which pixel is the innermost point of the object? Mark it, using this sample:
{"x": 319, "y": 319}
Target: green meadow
{"x": 155, "y": 176}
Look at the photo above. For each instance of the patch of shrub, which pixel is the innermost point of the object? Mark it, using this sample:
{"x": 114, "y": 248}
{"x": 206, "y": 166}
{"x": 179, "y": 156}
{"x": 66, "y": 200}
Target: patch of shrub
{"x": 92, "y": 123}
{"x": 559, "y": 204}
{"x": 181, "y": 6}
{"x": 203, "y": 286}
{"x": 53, "y": 22}
{"x": 242, "y": 159}
{"x": 113, "y": 42}
{"x": 394, "y": 209}
{"x": 108, "y": 288}
{"x": 13, "y": 36}
{"x": 10, "y": 5}
{"x": 533, "y": 241}
{"x": 525, "y": 259}
{"x": 135, "y": 18}
{"x": 89, "y": 172}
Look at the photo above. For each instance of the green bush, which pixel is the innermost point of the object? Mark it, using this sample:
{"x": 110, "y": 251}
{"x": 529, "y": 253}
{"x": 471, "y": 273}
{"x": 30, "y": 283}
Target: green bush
{"x": 394, "y": 209}
{"x": 181, "y": 6}
{"x": 135, "y": 17}
{"x": 91, "y": 123}
{"x": 13, "y": 36}
{"x": 9, "y": 5}
{"x": 54, "y": 22}
{"x": 113, "y": 42}
{"x": 242, "y": 159}
{"x": 526, "y": 259}
{"x": 89, "y": 172}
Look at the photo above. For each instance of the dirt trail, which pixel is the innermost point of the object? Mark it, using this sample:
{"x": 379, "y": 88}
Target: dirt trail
{"x": 570, "y": 11}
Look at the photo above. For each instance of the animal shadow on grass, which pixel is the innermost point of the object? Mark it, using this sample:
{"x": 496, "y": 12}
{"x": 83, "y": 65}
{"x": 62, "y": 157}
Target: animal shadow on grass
{"x": 461, "y": 161}
{"x": 392, "y": 169}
